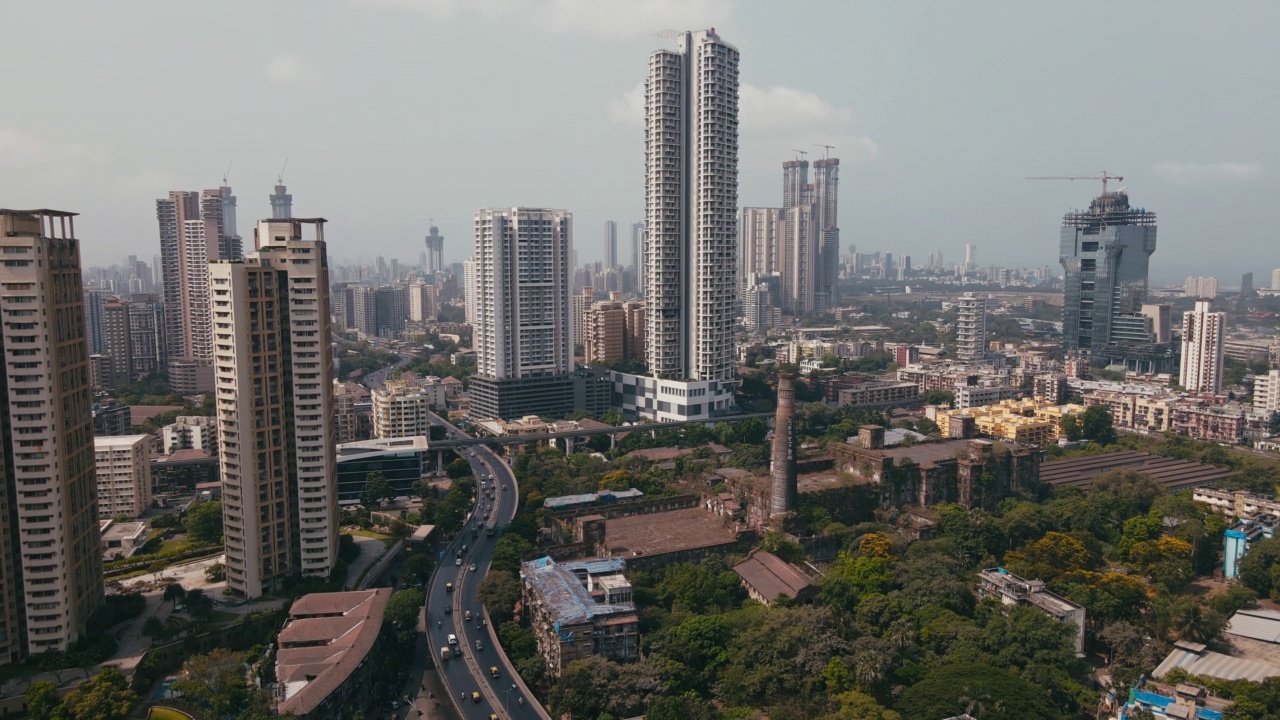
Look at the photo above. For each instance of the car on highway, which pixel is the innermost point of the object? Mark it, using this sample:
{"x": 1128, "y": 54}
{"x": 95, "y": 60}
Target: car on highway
{"x": 453, "y": 639}
{"x": 479, "y": 644}
{"x": 475, "y": 697}
{"x": 493, "y": 671}
{"x": 448, "y": 609}
{"x": 457, "y": 562}
{"x": 448, "y": 587}
{"x": 472, "y": 567}
{"x": 467, "y": 617}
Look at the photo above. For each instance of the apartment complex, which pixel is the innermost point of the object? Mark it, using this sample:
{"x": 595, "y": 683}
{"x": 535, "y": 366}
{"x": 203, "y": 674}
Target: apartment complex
{"x": 1266, "y": 392}
{"x": 613, "y": 330}
{"x": 51, "y": 571}
{"x": 521, "y": 331}
{"x": 1012, "y": 590}
{"x": 1202, "y": 331}
{"x": 123, "y": 470}
{"x": 1026, "y": 422}
{"x": 1200, "y": 287}
{"x": 1105, "y": 251}
{"x": 275, "y": 408}
{"x": 971, "y": 327}
{"x": 195, "y": 229}
{"x": 579, "y": 609}
{"x": 190, "y": 432}
{"x": 761, "y": 250}
{"x": 691, "y": 223}
{"x": 402, "y": 407}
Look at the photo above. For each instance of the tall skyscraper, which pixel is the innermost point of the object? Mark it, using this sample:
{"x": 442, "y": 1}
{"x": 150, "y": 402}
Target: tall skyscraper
{"x": 275, "y": 408}
{"x": 691, "y": 205}
{"x": 610, "y": 244}
{"x": 1202, "y": 333}
{"x": 760, "y": 244}
{"x": 281, "y": 203}
{"x": 521, "y": 330}
{"x": 1104, "y": 252}
{"x": 193, "y": 232}
{"x": 1246, "y": 285}
{"x": 637, "y": 254}
{"x": 970, "y": 257}
{"x": 470, "y": 297}
{"x": 971, "y": 327}
{"x": 801, "y": 271}
{"x": 94, "y": 302}
{"x": 1275, "y": 279}
{"x": 435, "y": 251}
{"x": 826, "y": 190}
{"x": 50, "y": 549}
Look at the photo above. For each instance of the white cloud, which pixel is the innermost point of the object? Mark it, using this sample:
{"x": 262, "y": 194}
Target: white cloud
{"x": 1184, "y": 173}
{"x": 606, "y": 18}
{"x": 23, "y": 150}
{"x": 290, "y": 69}
{"x": 776, "y": 116}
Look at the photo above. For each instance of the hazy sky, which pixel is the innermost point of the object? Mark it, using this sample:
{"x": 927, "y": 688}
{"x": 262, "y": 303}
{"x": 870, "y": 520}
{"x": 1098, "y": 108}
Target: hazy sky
{"x": 394, "y": 111}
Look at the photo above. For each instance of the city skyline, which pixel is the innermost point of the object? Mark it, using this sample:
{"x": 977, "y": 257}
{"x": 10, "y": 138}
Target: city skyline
{"x": 909, "y": 177}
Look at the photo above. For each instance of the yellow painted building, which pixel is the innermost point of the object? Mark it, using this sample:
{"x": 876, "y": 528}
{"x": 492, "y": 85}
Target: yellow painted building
{"x": 1023, "y": 421}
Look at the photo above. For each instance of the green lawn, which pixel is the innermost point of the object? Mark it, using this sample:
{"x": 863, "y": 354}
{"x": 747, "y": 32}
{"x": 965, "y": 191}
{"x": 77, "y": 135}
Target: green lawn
{"x": 386, "y": 539}
{"x": 164, "y": 713}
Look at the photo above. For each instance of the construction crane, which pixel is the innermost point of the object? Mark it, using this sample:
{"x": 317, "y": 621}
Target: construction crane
{"x": 804, "y": 155}
{"x": 667, "y": 37}
{"x": 1102, "y": 175}
{"x": 280, "y": 177}
{"x": 826, "y": 150}
{"x": 227, "y": 173}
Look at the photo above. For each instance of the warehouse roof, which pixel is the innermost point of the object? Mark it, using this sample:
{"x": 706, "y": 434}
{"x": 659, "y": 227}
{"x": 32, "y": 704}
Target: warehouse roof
{"x": 1257, "y": 624}
{"x": 1215, "y": 665}
{"x": 1169, "y": 473}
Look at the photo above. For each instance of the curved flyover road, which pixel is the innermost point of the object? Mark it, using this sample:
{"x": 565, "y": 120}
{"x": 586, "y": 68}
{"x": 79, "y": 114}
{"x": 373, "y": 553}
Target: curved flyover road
{"x": 505, "y": 695}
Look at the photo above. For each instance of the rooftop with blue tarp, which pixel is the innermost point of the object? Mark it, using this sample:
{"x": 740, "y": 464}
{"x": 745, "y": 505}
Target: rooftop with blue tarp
{"x": 563, "y": 587}
{"x": 603, "y": 497}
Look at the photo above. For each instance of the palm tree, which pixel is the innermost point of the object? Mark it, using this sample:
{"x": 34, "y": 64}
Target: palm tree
{"x": 174, "y": 592}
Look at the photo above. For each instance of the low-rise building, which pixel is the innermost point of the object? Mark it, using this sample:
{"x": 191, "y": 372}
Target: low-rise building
{"x": 179, "y": 473}
{"x": 402, "y": 407}
{"x": 1238, "y": 503}
{"x": 191, "y": 432}
{"x": 879, "y": 394}
{"x": 1237, "y": 539}
{"x": 123, "y": 468}
{"x": 111, "y": 417}
{"x": 1023, "y": 421}
{"x": 121, "y": 539}
{"x": 579, "y": 609}
{"x": 767, "y": 577}
{"x": 1011, "y": 590}
{"x": 402, "y": 462}
{"x": 325, "y": 664}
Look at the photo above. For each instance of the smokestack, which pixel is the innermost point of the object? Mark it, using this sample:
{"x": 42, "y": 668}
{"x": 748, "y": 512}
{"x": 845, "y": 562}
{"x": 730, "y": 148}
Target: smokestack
{"x": 782, "y": 465}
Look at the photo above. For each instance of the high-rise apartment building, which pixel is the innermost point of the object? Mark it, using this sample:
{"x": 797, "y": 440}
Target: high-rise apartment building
{"x": 826, "y": 190}
{"x": 51, "y": 574}
{"x": 639, "y": 255}
{"x": 117, "y": 342}
{"x": 1202, "y": 334}
{"x": 402, "y": 407}
{"x": 970, "y": 257}
{"x": 691, "y": 219}
{"x": 801, "y": 271}
{"x": 424, "y": 302}
{"x": 759, "y": 309}
{"x": 1275, "y": 279}
{"x": 521, "y": 327}
{"x": 275, "y": 408}
{"x": 122, "y": 466}
{"x": 435, "y": 251}
{"x": 1104, "y": 251}
{"x": 94, "y": 301}
{"x": 760, "y": 247}
{"x": 281, "y": 203}
{"x": 580, "y": 304}
{"x": 971, "y": 327}
{"x": 1266, "y": 392}
{"x": 146, "y": 335}
{"x": 469, "y": 296}
{"x": 195, "y": 229}
{"x": 1246, "y": 285}
{"x": 610, "y": 244}
{"x": 1200, "y": 287}
{"x": 633, "y": 338}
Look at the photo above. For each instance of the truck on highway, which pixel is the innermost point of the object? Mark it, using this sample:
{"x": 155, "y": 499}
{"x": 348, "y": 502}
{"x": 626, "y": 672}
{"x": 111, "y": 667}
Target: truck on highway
{"x": 444, "y": 654}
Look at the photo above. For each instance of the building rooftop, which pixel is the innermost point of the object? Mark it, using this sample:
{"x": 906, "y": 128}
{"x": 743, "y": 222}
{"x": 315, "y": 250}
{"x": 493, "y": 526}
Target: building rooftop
{"x": 664, "y": 532}
{"x": 565, "y": 594}
{"x": 1169, "y": 473}
{"x": 604, "y": 496}
{"x": 1215, "y": 665}
{"x": 381, "y": 445}
{"x": 121, "y": 441}
{"x": 1261, "y": 625}
{"x": 185, "y": 455}
{"x": 327, "y": 636}
{"x": 771, "y": 576}
{"x": 117, "y": 531}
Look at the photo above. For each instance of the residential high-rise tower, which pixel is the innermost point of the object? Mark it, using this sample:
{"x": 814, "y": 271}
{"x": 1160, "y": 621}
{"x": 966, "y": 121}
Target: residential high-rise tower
{"x": 50, "y": 549}
{"x": 521, "y": 324}
{"x": 194, "y": 231}
{"x": 281, "y": 203}
{"x": 1104, "y": 252}
{"x": 691, "y": 208}
{"x": 275, "y": 408}
{"x": 971, "y": 327}
{"x": 826, "y": 190}
{"x": 435, "y": 251}
{"x": 1202, "y": 333}
{"x": 610, "y": 244}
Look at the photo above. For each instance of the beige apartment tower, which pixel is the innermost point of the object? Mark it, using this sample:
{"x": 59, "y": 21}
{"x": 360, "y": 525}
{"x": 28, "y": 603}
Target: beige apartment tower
{"x": 50, "y": 550}
{"x": 123, "y": 468}
{"x": 275, "y": 408}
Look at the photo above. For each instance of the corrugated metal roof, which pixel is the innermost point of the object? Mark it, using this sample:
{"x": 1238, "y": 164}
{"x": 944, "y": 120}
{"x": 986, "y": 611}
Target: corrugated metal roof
{"x": 1257, "y": 624}
{"x": 1216, "y": 665}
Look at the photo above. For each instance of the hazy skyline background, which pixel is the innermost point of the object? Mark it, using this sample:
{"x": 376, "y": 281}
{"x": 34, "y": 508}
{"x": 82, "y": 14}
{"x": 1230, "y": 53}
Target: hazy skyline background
{"x": 394, "y": 111}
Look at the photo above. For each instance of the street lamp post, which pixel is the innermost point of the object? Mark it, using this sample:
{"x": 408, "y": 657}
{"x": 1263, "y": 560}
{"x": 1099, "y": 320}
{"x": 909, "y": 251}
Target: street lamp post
{"x": 506, "y": 699}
